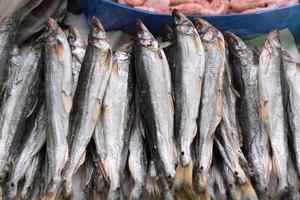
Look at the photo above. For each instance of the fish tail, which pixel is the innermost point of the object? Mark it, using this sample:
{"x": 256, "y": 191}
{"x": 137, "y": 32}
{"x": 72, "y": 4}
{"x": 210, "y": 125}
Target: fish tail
{"x": 248, "y": 191}
{"x": 184, "y": 177}
{"x": 152, "y": 186}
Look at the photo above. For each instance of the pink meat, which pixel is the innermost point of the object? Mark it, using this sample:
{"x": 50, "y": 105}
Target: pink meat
{"x": 152, "y": 9}
{"x": 177, "y": 2}
{"x": 189, "y": 8}
{"x": 241, "y": 5}
{"x": 158, "y": 4}
{"x": 134, "y": 2}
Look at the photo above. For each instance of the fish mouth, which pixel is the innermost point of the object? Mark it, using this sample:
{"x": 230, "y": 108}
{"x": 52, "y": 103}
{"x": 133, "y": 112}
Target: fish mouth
{"x": 52, "y": 24}
{"x": 232, "y": 37}
{"x": 95, "y": 22}
{"x": 203, "y": 26}
{"x": 140, "y": 26}
{"x": 273, "y": 39}
{"x": 142, "y": 31}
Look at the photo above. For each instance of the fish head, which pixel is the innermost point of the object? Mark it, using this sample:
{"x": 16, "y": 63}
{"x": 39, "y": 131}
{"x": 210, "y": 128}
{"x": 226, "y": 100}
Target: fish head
{"x": 167, "y": 33}
{"x": 272, "y": 43}
{"x": 144, "y": 37}
{"x": 124, "y": 53}
{"x": 75, "y": 38}
{"x": 207, "y": 32}
{"x": 98, "y": 35}
{"x": 182, "y": 23}
{"x": 54, "y": 33}
{"x": 234, "y": 42}
{"x": 12, "y": 189}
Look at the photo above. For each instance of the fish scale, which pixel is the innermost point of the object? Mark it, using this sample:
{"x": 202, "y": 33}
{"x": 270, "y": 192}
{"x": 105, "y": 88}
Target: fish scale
{"x": 271, "y": 107}
{"x": 58, "y": 74}
{"x": 93, "y": 78}
{"x": 18, "y": 105}
{"x": 189, "y": 62}
{"x": 157, "y": 109}
{"x": 211, "y": 100}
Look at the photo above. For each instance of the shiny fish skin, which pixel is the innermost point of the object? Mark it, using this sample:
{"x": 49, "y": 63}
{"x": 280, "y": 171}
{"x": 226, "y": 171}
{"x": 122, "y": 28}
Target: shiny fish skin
{"x": 255, "y": 137}
{"x": 20, "y": 98}
{"x": 271, "y": 106}
{"x": 225, "y": 136}
{"x": 292, "y": 79}
{"x": 58, "y": 101}
{"x": 189, "y": 69}
{"x": 33, "y": 144}
{"x": 157, "y": 109}
{"x": 37, "y": 19}
{"x": 31, "y": 174}
{"x": 94, "y": 74}
{"x": 7, "y": 37}
{"x": 117, "y": 117}
{"x": 137, "y": 160}
{"x": 78, "y": 50}
{"x": 211, "y": 99}
{"x": 168, "y": 36}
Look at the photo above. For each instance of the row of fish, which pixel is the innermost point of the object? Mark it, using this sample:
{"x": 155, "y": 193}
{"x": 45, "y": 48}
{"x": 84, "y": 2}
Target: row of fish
{"x": 196, "y": 116}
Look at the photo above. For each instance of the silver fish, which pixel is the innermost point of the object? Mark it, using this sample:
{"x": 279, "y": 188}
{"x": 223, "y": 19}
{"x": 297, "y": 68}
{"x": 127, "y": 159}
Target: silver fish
{"x": 157, "y": 109}
{"x": 19, "y": 101}
{"x": 271, "y": 106}
{"x": 189, "y": 69}
{"x": 292, "y": 80}
{"x": 94, "y": 75}
{"x": 211, "y": 99}
{"x": 31, "y": 175}
{"x": 9, "y": 25}
{"x": 58, "y": 101}
{"x": 36, "y": 21}
{"x": 33, "y": 144}
{"x": 117, "y": 117}
{"x": 255, "y": 136}
{"x": 78, "y": 50}
{"x": 225, "y": 136}
{"x": 137, "y": 159}
{"x": 168, "y": 37}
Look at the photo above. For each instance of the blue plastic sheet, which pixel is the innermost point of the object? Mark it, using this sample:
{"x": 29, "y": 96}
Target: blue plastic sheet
{"x": 116, "y": 16}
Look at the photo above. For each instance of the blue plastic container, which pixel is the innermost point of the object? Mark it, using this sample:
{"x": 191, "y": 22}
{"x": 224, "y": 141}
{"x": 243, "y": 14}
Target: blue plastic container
{"x": 116, "y": 16}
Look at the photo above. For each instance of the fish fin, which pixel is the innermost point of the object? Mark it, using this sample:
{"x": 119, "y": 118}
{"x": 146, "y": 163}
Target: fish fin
{"x": 67, "y": 102}
{"x": 152, "y": 186}
{"x": 141, "y": 128}
{"x": 81, "y": 161}
{"x": 159, "y": 51}
{"x": 32, "y": 109}
{"x": 264, "y": 112}
{"x": 104, "y": 172}
{"x": 97, "y": 109}
{"x": 184, "y": 177}
{"x": 59, "y": 49}
{"x": 109, "y": 58}
{"x": 198, "y": 43}
{"x": 200, "y": 85}
{"x": 236, "y": 93}
{"x": 116, "y": 69}
{"x": 248, "y": 191}
{"x": 49, "y": 197}
{"x": 165, "y": 44}
{"x": 195, "y": 131}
